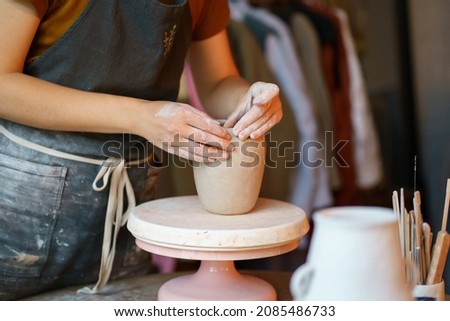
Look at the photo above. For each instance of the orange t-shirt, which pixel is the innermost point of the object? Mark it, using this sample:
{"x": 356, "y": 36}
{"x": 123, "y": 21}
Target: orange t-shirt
{"x": 208, "y": 18}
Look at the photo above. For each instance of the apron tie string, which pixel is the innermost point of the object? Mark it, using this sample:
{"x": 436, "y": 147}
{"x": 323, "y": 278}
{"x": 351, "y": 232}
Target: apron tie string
{"x": 115, "y": 215}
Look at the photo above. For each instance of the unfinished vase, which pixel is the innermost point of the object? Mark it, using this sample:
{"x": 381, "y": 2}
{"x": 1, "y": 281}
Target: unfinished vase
{"x": 232, "y": 186}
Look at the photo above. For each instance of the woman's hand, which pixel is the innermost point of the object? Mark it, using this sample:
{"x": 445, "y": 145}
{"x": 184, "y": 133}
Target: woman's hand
{"x": 257, "y": 112}
{"x": 185, "y": 131}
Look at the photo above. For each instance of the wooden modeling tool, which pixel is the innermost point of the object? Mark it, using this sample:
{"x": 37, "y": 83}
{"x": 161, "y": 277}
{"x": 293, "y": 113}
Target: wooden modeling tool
{"x": 396, "y": 206}
{"x": 404, "y": 222}
{"x": 427, "y": 235}
{"x": 441, "y": 246}
{"x": 419, "y": 247}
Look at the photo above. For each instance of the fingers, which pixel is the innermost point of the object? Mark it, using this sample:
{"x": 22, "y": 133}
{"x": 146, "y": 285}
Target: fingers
{"x": 191, "y": 150}
{"x": 192, "y": 134}
{"x": 233, "y": 118}
{"x": 204, "y": 123}
{"x": 263, "y": 93}
{"x": 260, "y": 128}
{"x": 177, "y": 116}
{"x": 244, "y": 105}
{"x": 259, "y": 120}
{"x": 258, "y": 112}
{"x": 216, "y": 145}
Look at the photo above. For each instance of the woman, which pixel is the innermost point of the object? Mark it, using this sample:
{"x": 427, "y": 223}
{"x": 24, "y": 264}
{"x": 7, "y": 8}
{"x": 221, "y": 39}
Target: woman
{"x": 87, "y": 88}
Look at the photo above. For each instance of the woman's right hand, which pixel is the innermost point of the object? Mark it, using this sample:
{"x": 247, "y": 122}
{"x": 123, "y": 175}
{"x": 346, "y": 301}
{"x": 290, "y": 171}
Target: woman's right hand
{"x": 185, "y": 131}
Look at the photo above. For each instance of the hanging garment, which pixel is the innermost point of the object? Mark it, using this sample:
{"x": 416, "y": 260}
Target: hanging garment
{"x": 309, "y": 50}
{"x": 311, "y": 186}
{"x": 282, "y": 141}
{"x": 331, "y": 55}
{"x": 368, "y": 163}
{"x": 337, "y": 77}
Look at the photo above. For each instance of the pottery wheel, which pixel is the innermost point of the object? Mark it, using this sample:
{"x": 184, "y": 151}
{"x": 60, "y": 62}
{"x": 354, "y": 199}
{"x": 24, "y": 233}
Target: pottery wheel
{"x": 179, "y": 227}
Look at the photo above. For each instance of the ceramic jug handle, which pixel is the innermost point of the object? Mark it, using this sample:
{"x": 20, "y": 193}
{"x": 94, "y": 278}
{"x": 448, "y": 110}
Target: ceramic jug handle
{"x": 300, "y": 281}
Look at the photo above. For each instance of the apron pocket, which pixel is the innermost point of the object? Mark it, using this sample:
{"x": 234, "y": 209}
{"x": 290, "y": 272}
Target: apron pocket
{"x": 30, "y": 197}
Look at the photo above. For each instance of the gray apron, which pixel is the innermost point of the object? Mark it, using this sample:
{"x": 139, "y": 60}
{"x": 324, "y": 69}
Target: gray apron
{"x": 51, "y": 219}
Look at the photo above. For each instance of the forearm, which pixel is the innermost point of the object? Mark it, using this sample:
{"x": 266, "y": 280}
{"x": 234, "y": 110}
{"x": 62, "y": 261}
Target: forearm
{"x": 217, "y": 79}
{"x": 171, "y": 126}
{"x": 223, "y": 99}
{"x": 42, "y": 104}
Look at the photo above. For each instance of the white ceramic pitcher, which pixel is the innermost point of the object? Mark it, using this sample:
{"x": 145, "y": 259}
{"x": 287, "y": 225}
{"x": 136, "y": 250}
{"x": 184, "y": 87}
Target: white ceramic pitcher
{"x": 354, "y": 255}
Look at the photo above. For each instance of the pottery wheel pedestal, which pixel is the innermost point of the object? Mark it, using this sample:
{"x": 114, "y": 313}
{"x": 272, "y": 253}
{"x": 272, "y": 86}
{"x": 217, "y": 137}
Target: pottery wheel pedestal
{"x": 179, "y": 227}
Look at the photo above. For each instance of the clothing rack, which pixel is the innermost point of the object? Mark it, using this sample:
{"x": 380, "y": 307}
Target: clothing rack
{"x": 356, "y": 10}
{"x": 283, "y": 11}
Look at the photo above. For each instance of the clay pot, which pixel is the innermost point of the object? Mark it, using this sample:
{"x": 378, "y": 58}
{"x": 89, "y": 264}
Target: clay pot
{"x": 232, "y": 186}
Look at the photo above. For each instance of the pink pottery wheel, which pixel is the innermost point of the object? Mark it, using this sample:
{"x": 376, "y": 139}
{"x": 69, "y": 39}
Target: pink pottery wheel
{"x": 179, "y": 227}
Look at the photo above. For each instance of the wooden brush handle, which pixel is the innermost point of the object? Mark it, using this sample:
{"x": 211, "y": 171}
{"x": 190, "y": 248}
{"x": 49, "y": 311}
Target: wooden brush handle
{"x": 446, "y": 205}
{"x": 426, "y": 229}
{"x": 438, "y": 258}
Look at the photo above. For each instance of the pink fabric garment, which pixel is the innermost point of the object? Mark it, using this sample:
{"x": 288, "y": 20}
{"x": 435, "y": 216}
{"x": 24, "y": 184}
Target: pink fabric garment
{"x": 194, "y": 100}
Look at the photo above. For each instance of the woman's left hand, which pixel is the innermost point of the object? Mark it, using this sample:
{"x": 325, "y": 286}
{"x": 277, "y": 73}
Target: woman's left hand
{"x": 257, "y": 112}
